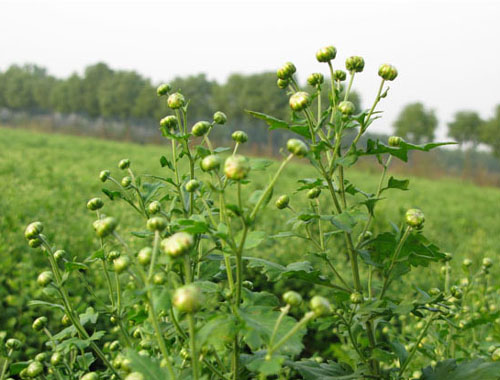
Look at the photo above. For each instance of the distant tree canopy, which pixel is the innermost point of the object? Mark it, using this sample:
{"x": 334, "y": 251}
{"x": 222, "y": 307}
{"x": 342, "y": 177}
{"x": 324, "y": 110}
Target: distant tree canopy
{"x": 465, "y": 127}
{"x": 490, "y": 132}
{"x": 416, "y": 124}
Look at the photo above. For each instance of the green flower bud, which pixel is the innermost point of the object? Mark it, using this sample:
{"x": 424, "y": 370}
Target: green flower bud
{"x": 240, "y": 137}
{"x": 56, "y": 358}
{"x": 39, "y": 323}
{"x": 106, "y": 226}
{"x": 211, "y": 162}
{"x": 394, "y": 141}
{"x": 297, "y": 147}
{"x": 126, "y": 181}
{"x": 347, "y": 108}
{"x": 154, "y": 207}
{"x": 145, "y": 344}
{"x": 414, "y": 218}
{"x": 201, "y": 128}
{"x": 487, "y": 262}
{"x": 59, "y": 254}
{"x": 467, "y": 263}
{"x": 247, "y": 284}
{"x": 192, "y": 185}
{"x": 135, "y": 376}
{"x": 65, "y": 320}
{"x": 90, "y": 376}
{"x": 387, "y": 72}
{"x": 178, "y": 244}
{"x": 113, "y": 255}
{"x": 220, "y": 118}
{"x": 121, "y": 264}
{"x": 356, "y": 298}
{"x": 95, "y": 204}
{"x": 156, "y": 223}
{"x": 355, "y": 64}
{"x": 34, "y": 369}
{"x": 124, "y": 164}
{"x": 282, "y": 202}
{"x": 299, "y": 101}
{"x": 447, "y": 257}
{"x": 33, "y": 230}
{"x": 292, "y": 298}
{"x": 144, "y": 256}
{"x": 434, "y": 291}
{"x": 188, "y": 299}
{"x": 114, "y": 345}
{"x": 315, "y": 79}
{"x": 283, "y": 83}
{"x": 104, "y": 175}
{"x": 35, "y": 243}
{"x": 286, "y": 71}
{"x": 326, "y": 54}
{"x": 176, "y": 101}
{"x": 320, "y": 306}
{"x": 41, "y": 357}
{"x": 13, "y": 344}
{"x": 163, "y": 89}
{"x": 169, "y": 122}
{"x": 45, "y": 278}
{"x": 495, "y": 356}
{"x": 236, "y": 167}
{"x": 314, "y": 193}
{"x": 159, "y": 278}
{"x": 339, "y": 75}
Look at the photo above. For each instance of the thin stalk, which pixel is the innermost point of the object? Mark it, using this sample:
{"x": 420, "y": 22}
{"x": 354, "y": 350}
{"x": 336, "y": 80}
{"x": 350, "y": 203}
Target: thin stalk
{"x": 284, "y": 312}
{"x": 306, "y": 318}
{"x": 209, "y": 144}
{"x": 192, "y": 345}
{"x": 393, "y": 260}
{"x": 108, "y": 281}
{"x": 320, "y": 227}
{"x": 236, "y": 148}
{"x": 6, "y": 364}
{"x": 348, "y": 91}
{"x": 139, "y": 195}
{"x": 154, "y": 255}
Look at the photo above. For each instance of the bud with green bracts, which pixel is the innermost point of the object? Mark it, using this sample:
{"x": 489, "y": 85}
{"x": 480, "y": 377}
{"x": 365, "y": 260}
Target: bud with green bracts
{"x": 314, "y": 193}
{"x": 156, "y": 223}
{"x": 467, "y": 263}
{"x": 315, "y": 79}
{"x": 39, "y": 323}
{"x": 296, "y": 147}
{"x": 34, "y": 369}
{"x": 394, "y": 141}
{"x": 124, "y": 164}
{"x": 105, "y": 227}
{"x": 356, "y": 298}
{"x": 113, "y": 255}
{"x": 211, "y": 162}
{"x": 41, "y": 357}
{"x": 178, "y": 244}
{"x": 283, "y": 83}
{"x": 95, "y": 204}
{"x": 240, "y": 137}
{"x": 121, "y": 264}
{"x": 200, "y": 128}
{"x": 220, "y": 118}
{"x": 347, "y": 108}
{"x": 320, "y": 306}
{"x": 154, "y": 207}
{"x": 495, "y": 356}
{"x": 59, "y": 254}
{"x": 163, "y": 89}
{"x": 387, "y": 72}
{"x": 144, "y": 256}
{"x": 299, "y": 101}
{"x": 282, "y": 202}
{"x": 176, "y": 101}
{"x": 188, "y": 299}
{"x": 90, "y": 376}
{"x": 36, "y": 242}
{"x": 56, "y": 358}
{"x": 104, "y": 175}
{"x": 236, "y": 167}
{"x": 487, "y": 262}
{"x": 434, "y": 291}
{"x": 355, "y": 64}
{"x": 33, "y": 230}
{"x": 45, "y": 278}
{"x": 169, "y": 122}
{"x": 135, "y": 376}
{"x": 126, "y": 181}
{"x": 339, "y": 75}
{"x": 326, "y": 54}
{"x": 292, "y": 298}
{"x": 414, "y": 218}
{"x": 286, "y": 71}
{"x": 13, "y": 344}
{"x": 159, "y": 278}
{"x": 192, "y": 185}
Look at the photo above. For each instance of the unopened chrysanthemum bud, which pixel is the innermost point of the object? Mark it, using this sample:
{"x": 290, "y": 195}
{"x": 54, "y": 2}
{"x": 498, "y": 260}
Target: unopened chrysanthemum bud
{"x": 467, "y": 263}
{"x": 135, "y": 376}
{"x": 434, "y": 291}
{"x": 282, "y": 202}
{"x": 314, "y": 193}
{"x": 326, "y": 54}
{"x": 35, "y": 243}
{"x": 178, "y": 244}
{"x": 124, "y": 164}
{"x": 56, "y": 358}
{"x": 315, "y": 79}
{"x": 44, "y": 278}
{"x": 39, "y": 323}
{"x": 163, "y": 89}
{"x": 126, "y": 181}
{"x": 387, "y": 72}
{"x": 200, "y": 128}
{"x": 121, "y": 264}
{"x": 156, "y": 223}
{"x": 356, "y": 298}
{"x": 154, "y": 207}
{"x": 347, "y": 108}
{"x": 447, "y": 257}
{"x": 169, "y": 122}
{"x": 292, "y": 298}
{"x": 113, "y": 255}
{"x": 65, "y": 320}
{"x": 192, "y": 185}
{"x": 220, "y": 118}
{"x": 188, "y": 299}
{"x": 13, "y": 344}
{"x": 320, "y": 306}
{"x": 106, "y": 226}
{"x": 176, "y": 100}
{"x": 355, "y": 64}
{"x": 236, "y": 167}
{"x": 95, "y": 204}
{"x": 247, "y": 284}
{"x": 211, "y": 162}
{"x": 90, "y": 376}
{"x": 394, "y": 141}
{"x": 240, "y": 137}
{"x": 144, "y": 256}
{"x": 414, "y": 218}
{"x": 487, "y": 262}
{"x": 104, "y": 175}
{"x": 59, "y": 254}
{"x": 35, "y": 369}
{"x": 339, "y": 75}
{"x": 296, "y": 147}
{"x": 283, "y": 83}
{"x": 299, "y": 101}
{"x": 159, "y": 278}
{"x": 33, "y": 230}
{"x": 495, "y": 356}
{"x": 41, "y": 357}
{"x": 286, "y": 71}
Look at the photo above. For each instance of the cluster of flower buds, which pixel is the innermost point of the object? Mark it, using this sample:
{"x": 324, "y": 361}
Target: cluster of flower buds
{"x": 33, "y": 234}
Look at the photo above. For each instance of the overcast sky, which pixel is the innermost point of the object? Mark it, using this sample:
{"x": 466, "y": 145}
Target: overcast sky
{"x": 447, "y": 52}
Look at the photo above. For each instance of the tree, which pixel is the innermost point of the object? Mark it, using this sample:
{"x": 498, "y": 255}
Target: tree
{"x": 490, "y": 132}
{"x": 416, "y": 124}
{"x": 465, "y": 128}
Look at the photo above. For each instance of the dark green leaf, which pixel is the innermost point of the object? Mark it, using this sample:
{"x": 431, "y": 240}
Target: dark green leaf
{"x": 147, "y": 366}
{"x": 302, "y": 130}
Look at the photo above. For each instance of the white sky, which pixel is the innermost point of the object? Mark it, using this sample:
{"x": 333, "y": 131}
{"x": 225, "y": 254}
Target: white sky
{"x": 447, "y": 52}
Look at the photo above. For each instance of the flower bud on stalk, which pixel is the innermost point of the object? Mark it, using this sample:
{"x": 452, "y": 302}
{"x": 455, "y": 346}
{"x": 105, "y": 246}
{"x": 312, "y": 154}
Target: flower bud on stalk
{"x": 347, "y": 108}
{"x": 34, "y": 369}
{"x": 188, "y": 299}
{"x": 415, "y": 218}
{"x": 299, "y": 101}
{"x": 104, "y": 175}
{"x": 467, "y": 263}
{"x": 33, "y": 230}
{"x": 159, "y": 278}
{"x": 315, "y": 79}
{"x": 200, "y": 128}
{"x": 240, "y": 137}
{"x": 156, "y": 223}
{"x": 59, "y": 254}
{"x": 387, "y": 72}
{"x": 154, "y": 207}
{"x": 13, "y": 344}
{"x": 95, "y": 204}
{"x": 487, "y": 262}
{"x": 124, "y": 164}
{"x": 236, "y": 167}
{"x": 56, "y": 358}
{"x": 41, "y": 357}
{"x": 495, "y": 356}
{"x": 135, "y": 376}
{"x": 282, "y": 202}
{"x": 355, "y": 64}
{"x": 320, "y": 306}
{"x": 314, "y": 193}
{"x": 283, "y": 83}
{"x": 192, "y": 185}
{"x": 211, "y": 162}
{"x": 39, "y": 323}
{"x": 356, "y": 298}
{"x": 286, "y": 71}
{"x": 394, "y": 141}
{"x": 178, "y": 244}
{"x": 90, "y": 376}
{"x": 121, "y": 264}
{"x": 297, "y": 147}
{"x": 169, "y": 122}
{"x": 35, "y": 243}
{"x": 45, "y": 278}
{"x": 105, "y": 227}
{"x": 126, "y": 181}
{"x": 292, "y": 298}
{"x": 163, "y": 89}
{"x": 326, "y": 54}
{"x": 220, "y": 118}
{"x": 176, "y": 101}
{"x": 144, "y": 256}
{"x": 339, "y": 75}
{"x": 113, "y": 255}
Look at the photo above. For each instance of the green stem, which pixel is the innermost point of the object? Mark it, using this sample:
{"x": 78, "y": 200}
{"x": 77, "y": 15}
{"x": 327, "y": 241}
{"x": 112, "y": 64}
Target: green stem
{"x": 192, "y": 344}
{"x": 108, "y": 281}
{"x": 6, "y": 364}
{"x": 236, "y": 148}
{"x": 139, "y": 195}
{"x": 307, "y": 317}
{"x": 284, "y": 312}
{"x": 154, "y": 255}
{"x": 348, "y": 91}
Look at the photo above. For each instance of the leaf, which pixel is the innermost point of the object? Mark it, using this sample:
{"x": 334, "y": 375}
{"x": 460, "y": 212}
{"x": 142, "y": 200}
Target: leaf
{"x": 217, "y": 332}
{"x": 344, "y": 221}
{"x": 71, "y": 266}
{"x": 393, "y": 183}
{"x": 165, "y": 162}
{"x": 150, "y": 190}
{"x": 147, "y": 366}
{"x": 90, "y": 315}
{"x": 43, "y": 303}
{"x": 400, "y": 351}
{"x": 254, "y": 238}
{"x": 450, "y": 370}
{"x": 257, "y": 164}
{"x": 17, "y": 367}
{"x": 193, "y": 226}
{"x": 302, "y": 130}
{"x": 265, "y": 366}
{"x": 112, "y": 194}
{"x": 401, "y": 152}
{"x": 312, "y": 370}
